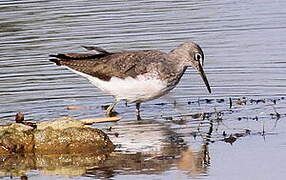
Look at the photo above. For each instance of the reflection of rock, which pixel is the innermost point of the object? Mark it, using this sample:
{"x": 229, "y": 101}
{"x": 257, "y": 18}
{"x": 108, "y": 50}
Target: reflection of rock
{"x": 56, "y": 164}
{"x": 70, "y": 165}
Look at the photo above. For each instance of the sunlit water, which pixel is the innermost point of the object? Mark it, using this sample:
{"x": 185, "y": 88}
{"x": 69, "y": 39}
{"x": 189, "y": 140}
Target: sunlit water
{"x": 244, "y": 46}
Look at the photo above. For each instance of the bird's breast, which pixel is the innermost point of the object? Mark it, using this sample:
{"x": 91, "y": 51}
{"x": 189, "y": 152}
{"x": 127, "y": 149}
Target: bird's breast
{"x": 139, "y": 89}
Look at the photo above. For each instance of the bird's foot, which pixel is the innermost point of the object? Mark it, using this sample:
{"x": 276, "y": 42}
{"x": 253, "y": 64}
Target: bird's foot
{"x": 110, "y": 113}
{"x": 138, "y": 117}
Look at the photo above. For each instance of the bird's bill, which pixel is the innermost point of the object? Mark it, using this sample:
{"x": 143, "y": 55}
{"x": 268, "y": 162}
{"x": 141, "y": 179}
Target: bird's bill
{"x": 204, "y": 77}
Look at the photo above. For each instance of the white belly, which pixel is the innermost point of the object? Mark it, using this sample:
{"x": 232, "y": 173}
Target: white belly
{"x": 139, "y": 89}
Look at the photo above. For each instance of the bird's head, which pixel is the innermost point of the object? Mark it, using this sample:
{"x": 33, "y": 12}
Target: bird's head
{"x": 191, "y": 54}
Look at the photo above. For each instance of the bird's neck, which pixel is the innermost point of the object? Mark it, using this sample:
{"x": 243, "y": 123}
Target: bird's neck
{"x": 179, "y": 60}
{"x": 177, "y": 72}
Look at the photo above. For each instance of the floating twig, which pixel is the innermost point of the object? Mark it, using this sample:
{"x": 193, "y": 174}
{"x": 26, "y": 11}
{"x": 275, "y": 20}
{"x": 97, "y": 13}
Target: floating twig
{"x": 77, "y": 107}
{"x": 100, "y": 120}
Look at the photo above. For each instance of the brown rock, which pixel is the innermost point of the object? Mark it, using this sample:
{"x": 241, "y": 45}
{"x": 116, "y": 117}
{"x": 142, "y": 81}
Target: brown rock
{"x": 71, "y": 140}
{"x": 64, "y": 135}
{"x": 16, "y": 138}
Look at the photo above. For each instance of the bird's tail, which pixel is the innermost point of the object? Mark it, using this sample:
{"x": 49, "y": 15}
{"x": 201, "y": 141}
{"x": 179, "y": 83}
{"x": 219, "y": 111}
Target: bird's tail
{"x": 55, "y": 59}
{"x": 62, "y": 59}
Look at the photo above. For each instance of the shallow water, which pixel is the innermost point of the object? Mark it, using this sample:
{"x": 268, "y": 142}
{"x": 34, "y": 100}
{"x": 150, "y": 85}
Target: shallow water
{"x": 244, "y": 45}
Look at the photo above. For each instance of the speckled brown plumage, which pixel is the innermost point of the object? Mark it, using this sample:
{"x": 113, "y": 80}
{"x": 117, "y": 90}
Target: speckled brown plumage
{"x": 121, "y": 64}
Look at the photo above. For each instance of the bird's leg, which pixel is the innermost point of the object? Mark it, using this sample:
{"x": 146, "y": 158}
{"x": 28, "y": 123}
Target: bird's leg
{"x": 110, "y": 108}
{"x": 137, "y": 108}
{"x": 138, "y": 111}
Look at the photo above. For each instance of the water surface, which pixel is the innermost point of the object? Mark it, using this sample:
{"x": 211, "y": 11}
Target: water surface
{"x": 244, "y": 45}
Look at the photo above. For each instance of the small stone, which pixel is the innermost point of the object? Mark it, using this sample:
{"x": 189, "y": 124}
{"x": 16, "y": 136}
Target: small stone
{"x": 19, "y": 117}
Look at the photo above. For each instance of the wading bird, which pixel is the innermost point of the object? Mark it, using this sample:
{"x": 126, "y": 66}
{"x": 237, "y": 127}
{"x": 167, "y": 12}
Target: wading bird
{"x": 134, "y": 76}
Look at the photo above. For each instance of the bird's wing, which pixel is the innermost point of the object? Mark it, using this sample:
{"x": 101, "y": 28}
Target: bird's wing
{"x": 95, "y": 50}
{"x": 105, "y": 66}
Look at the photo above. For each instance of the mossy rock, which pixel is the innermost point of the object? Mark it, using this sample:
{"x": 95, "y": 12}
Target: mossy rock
{"x": 16, "y": 138}
{"x": 64, "y": 136}
{"x": 71, "y": 140}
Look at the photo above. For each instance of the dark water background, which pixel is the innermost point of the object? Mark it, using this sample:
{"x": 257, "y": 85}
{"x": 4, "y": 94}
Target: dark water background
{"x": 245, "y": 56}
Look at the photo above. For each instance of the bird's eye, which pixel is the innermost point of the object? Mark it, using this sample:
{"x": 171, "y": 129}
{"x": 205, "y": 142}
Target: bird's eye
{"x": 198, "y": 57}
